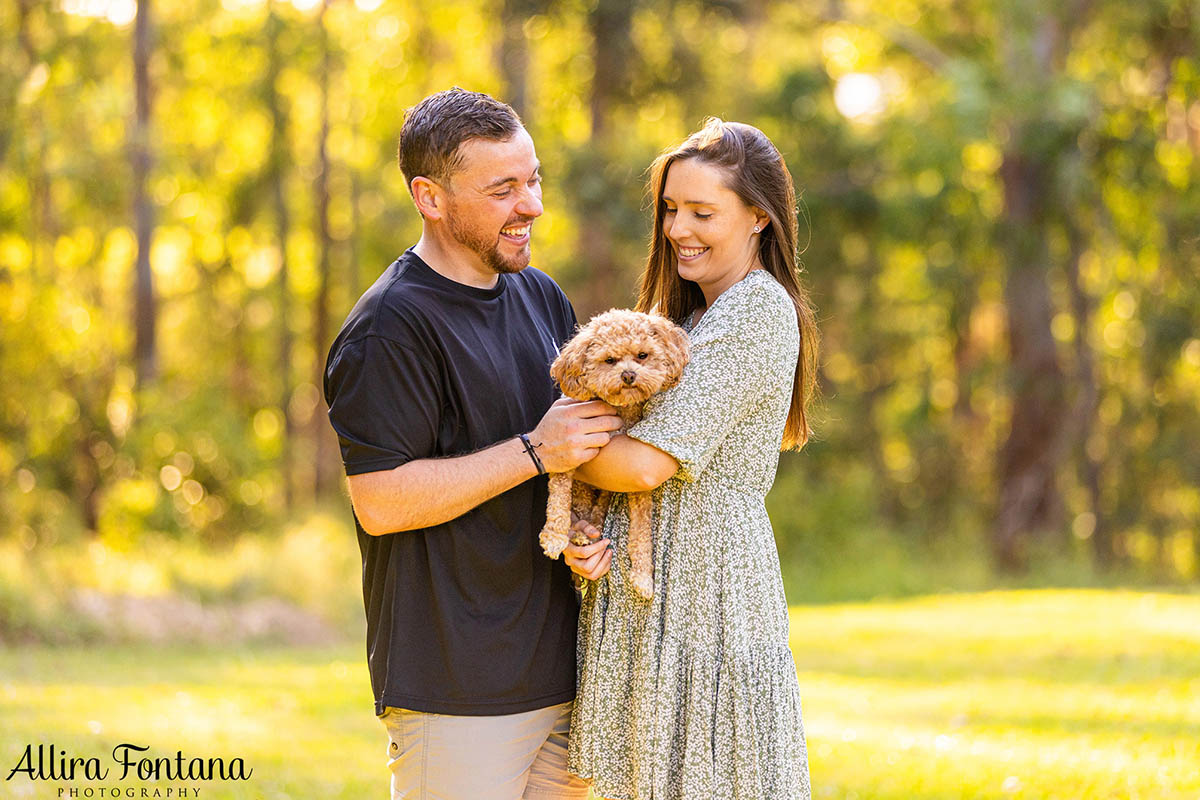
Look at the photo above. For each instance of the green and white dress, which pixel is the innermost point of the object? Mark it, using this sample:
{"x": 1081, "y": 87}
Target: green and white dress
{"x": 693, "y": 694}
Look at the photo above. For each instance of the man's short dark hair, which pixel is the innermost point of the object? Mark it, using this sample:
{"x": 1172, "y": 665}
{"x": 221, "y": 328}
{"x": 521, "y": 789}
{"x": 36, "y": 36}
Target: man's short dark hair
{"x": 436, "y": 127}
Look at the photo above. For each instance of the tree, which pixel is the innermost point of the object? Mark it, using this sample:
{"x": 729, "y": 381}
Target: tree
{"x": 321, "y": 435}
{"x": 145, "y": 311}
{"x": 276, "y": 173}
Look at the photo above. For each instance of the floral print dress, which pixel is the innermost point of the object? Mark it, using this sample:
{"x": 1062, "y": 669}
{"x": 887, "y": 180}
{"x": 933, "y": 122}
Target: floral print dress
{"x": 693, "y": 694}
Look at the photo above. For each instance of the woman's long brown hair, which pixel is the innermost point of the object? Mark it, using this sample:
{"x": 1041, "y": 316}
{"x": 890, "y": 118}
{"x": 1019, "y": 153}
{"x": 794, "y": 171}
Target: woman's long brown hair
{"x": 756, "y": 172}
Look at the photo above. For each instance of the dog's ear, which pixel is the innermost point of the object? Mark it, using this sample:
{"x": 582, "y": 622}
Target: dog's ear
{"x": 676, "y": 348}
{"x": 568, "y": 369}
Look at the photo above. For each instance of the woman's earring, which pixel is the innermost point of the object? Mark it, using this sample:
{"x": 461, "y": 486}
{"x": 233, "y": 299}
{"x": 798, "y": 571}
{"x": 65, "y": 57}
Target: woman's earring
{"x": 756, "y": 229}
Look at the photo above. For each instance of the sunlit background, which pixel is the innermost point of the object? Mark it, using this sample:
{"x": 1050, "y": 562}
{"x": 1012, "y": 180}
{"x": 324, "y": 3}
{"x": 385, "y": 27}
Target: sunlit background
{"x": 1000, "y": 225}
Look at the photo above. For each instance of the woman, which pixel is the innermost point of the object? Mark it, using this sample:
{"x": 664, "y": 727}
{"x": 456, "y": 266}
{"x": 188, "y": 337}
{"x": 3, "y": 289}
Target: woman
{"x": 693, "y": 694}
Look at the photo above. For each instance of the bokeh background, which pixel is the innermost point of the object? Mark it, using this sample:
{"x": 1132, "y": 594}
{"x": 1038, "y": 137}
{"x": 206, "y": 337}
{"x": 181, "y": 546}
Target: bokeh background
{"x": 1001, "y": 218}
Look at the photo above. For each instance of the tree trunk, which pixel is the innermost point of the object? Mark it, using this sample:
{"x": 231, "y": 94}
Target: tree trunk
{"x": 43, "y": 227}
{"x": 513, "y": 54}
{"x": 276, "y": 170}
{"x": 145, "y": 355}
{"x": 85, "y": 484}
{"x": 13, "y": 84}
{"x": 963, "y": 308}
{"x": 612, "y": 50}
{"x": 1087, "y": 403}
{"x": 873, "y": 354}
{"x": 320, "y": 432}
{"x": 353, "y": 279}
{"x": 353, "y": 267}
{"x": 1029, "y": 498}
{"x": 1035, "y": 44}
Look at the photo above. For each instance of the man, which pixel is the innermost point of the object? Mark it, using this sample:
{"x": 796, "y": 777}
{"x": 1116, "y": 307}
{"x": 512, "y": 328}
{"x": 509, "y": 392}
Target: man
{"x": 438, "y": 371}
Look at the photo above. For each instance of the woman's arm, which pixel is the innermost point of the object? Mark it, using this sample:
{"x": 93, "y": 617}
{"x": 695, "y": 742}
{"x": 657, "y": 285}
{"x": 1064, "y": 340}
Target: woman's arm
{"x": 627, "y": 465}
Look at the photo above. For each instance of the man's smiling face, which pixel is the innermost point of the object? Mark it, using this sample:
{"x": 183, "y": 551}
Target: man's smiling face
{"x": 494, "y": 197}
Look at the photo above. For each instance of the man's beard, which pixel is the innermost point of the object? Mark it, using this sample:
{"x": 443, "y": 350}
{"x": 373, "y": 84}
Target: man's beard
{"x": 488, "y": 251}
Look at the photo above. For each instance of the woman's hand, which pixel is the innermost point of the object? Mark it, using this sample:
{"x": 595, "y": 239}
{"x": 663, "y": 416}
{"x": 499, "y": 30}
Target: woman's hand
{"x": 591, "y": 560}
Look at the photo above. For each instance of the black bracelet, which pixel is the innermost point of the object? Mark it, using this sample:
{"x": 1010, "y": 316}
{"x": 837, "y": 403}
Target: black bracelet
{"x": 532, "y": 450}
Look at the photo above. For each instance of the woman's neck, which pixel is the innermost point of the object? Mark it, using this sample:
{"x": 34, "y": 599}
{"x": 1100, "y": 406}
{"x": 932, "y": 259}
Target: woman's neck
{"x": 712, "y": 291}
{"x": 715, "y": 289}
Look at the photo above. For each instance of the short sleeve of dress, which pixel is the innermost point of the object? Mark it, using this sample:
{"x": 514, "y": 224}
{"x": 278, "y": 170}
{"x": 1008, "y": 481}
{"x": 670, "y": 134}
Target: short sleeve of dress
{"x": 384, "y": 401}
{"x": 736, "y": 359}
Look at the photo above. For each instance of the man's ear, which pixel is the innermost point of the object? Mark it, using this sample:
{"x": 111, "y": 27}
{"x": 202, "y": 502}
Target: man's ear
{"x": 429, "y": 196}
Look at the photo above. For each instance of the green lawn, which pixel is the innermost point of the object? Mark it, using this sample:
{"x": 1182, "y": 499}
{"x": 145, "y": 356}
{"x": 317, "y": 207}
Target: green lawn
{"x": 1029, "y": 694}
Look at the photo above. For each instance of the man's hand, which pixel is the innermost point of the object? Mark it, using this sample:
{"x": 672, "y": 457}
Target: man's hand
{"x": 588, "y": 560}
{"x": 572, "y": 432}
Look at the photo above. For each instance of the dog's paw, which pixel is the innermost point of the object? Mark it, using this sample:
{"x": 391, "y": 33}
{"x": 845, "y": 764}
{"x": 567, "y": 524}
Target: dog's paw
{"x": 643, "y": 584}
{"x": 553, "y": 542}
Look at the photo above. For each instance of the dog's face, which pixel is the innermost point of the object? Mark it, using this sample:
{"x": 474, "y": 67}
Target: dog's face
{"x": 622, "y": 357}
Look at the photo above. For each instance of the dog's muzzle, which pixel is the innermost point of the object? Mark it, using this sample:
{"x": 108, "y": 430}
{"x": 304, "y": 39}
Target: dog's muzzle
{"x": 629, "y": 376}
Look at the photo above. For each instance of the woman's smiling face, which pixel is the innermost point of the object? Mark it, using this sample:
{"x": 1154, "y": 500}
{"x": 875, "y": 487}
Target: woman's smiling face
{"x": 711, "y": 230}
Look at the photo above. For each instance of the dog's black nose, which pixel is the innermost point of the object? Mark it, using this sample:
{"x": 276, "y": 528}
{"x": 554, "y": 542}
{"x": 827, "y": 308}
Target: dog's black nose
{"x": 628, "y": 376}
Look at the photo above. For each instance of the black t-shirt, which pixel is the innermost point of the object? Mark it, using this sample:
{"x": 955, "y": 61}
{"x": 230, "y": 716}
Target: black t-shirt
{"x": 467, "y": 617}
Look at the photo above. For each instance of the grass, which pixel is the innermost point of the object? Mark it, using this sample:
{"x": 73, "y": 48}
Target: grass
{"x": 1018, "y": 694}
{"x": 301, "y": 719}
{"x": 1015, "y": 694}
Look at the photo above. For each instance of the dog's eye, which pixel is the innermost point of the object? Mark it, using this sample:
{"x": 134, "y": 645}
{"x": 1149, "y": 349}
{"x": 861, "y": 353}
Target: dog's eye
{"x": 610, "y": 360}
{"x": 641, "y": 356}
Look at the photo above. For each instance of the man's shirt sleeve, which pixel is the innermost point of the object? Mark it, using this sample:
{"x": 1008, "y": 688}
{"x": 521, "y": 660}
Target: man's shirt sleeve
{"x": 385, "y": 404}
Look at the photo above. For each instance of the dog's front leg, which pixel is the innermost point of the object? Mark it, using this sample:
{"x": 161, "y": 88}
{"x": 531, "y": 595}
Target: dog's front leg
{"x": 556, "y": 532}
{"x": 641, "y": 548}
{"x": 583, "y": 498}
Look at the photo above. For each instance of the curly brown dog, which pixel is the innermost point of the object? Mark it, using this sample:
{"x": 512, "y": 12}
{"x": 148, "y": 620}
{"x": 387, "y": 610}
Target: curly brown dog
{"x": 620, "y": 357}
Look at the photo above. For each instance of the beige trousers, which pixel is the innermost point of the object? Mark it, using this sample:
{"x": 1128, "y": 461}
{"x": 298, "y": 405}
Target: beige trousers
{"x": 509, "y": 757}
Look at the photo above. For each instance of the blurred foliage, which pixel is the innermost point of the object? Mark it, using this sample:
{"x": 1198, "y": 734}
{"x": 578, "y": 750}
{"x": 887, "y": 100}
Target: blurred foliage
{"x": 911, "y": 126}
{"x": 176, "y": 590}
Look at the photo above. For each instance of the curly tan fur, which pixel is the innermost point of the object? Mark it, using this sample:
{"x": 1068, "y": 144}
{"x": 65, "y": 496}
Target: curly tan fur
{"x": 621, "y": 357}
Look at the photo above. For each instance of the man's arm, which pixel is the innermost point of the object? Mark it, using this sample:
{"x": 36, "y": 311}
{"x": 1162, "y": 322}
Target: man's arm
{"x": 431, "y": 491}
